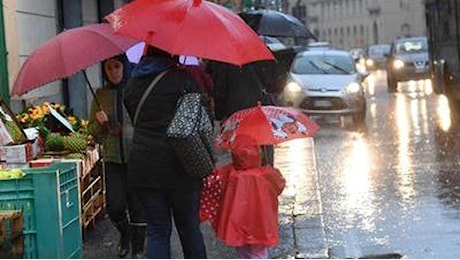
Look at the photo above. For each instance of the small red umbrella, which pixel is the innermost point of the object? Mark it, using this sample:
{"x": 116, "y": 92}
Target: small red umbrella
{"x": 191, "y": 27}
{"x": 266, "y": 125}
{"x": 67, "y": 53}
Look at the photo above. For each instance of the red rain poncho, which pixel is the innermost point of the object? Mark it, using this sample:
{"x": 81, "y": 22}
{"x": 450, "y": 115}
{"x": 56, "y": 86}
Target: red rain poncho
{"x": 248, "y": 208}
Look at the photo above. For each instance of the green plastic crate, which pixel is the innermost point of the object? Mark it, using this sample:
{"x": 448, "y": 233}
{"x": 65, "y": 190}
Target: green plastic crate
{"x": 49, "y": 199}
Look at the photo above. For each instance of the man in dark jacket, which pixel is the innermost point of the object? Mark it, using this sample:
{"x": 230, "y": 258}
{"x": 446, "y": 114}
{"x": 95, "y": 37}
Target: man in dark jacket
{"x": 235, "y": 88}
{"x": 154, "y": 171}
{"x": 241, "y": 87}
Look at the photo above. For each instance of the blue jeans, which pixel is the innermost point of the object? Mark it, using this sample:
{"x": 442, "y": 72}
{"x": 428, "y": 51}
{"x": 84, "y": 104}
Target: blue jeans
{"x": 183, "y": 206}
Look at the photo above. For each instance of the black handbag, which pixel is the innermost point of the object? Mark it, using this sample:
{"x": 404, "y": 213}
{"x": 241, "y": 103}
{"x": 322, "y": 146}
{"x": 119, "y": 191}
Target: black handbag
{"x": 191, "y": 135}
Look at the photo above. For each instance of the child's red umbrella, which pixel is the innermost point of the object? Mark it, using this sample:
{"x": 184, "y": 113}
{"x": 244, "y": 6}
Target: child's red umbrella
{"x": 266, "y": 125}
{"x": 191, "y": 27}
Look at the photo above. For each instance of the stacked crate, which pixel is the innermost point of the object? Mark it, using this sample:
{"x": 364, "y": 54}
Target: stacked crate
{"x": 49, "y": 200}
{"x": 92, "y": 196}
{"x": 92, "y": 187}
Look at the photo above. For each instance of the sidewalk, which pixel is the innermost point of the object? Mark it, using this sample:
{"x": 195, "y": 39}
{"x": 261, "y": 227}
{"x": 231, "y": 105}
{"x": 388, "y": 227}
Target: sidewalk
{"x": 301, "y": 227}
{"x": 300, "y": 211}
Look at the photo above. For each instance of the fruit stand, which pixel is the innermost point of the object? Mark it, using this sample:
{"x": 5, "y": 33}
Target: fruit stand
{"x": 52, "y": 174}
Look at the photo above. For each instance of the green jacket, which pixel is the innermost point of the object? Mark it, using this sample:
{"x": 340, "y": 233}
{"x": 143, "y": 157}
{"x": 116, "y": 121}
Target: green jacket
{"x": 111, "y": 144}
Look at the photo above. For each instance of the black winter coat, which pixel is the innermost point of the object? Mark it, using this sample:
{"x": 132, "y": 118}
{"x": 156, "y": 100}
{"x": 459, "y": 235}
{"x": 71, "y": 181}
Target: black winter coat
{"x": 239, "y": 87}
{"x": 152, "y": 163}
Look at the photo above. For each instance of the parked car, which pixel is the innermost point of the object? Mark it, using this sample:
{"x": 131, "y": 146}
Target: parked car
{"x": 326, "y": 82}
{"x": 319, "y": 46}
{"x": 376, "y": 56}
{"x": 408, "y": 60}
{"x": 274, "y": 44}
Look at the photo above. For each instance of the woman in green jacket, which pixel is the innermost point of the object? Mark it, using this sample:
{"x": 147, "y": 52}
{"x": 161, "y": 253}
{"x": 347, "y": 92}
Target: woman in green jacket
{"x": 110, "y": 125}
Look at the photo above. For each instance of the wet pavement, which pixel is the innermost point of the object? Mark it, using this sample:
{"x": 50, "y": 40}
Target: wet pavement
{"x": 392, "y": 188}
{"x": 301, "y": 227}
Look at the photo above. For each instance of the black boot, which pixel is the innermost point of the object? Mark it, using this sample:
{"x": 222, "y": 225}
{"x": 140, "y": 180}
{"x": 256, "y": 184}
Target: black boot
{"x": 123, "y": 244}
{"x": 137, "y": 236}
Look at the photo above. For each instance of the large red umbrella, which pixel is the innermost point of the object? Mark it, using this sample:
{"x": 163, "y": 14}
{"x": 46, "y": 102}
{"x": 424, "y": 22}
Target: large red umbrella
{"x": 266, "y": 125}
{"x": 67, "y": 53}
{"x": 191, "y": 27}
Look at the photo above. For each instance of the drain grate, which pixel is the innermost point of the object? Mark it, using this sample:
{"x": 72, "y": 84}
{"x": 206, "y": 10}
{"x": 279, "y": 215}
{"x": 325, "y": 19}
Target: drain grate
{"x": 382, "y": 256}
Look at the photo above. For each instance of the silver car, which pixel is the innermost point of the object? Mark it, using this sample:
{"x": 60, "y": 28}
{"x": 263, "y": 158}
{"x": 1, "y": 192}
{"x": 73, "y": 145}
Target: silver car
{"x": 326, "y": 82}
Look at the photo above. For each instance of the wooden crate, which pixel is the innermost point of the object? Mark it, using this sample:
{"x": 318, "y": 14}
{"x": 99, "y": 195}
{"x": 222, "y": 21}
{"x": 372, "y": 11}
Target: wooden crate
{"x": 92, "y": 196}
{"x": 92, "y": 187}
{"x": 93, "y": 210}
{"x": 11, "y": 236}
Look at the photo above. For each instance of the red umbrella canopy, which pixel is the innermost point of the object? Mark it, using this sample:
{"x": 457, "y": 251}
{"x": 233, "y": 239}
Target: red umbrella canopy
{"x": 67, "y": 53}
{"x": 266, "y": 125}
{"x": 191, "y": 27}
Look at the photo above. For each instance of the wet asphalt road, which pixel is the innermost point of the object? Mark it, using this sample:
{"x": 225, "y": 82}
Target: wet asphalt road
{"x": 392, "y": 186}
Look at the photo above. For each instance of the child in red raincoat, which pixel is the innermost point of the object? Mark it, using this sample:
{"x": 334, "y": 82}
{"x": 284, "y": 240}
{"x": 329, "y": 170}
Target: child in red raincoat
{"x": 247, "y": 215}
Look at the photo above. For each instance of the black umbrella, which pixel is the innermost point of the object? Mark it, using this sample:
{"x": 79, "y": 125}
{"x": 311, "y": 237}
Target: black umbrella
{"x": 274, "y": 23}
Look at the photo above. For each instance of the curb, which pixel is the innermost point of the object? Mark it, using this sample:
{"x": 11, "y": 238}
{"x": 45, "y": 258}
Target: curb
{"x": 308, "y": 213}
{"x": 302, "y": 232}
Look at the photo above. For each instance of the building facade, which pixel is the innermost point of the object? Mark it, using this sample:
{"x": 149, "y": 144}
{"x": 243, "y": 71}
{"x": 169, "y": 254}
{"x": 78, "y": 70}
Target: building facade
{"x": 360, "y": 23}
{"x": 28, "y": 24}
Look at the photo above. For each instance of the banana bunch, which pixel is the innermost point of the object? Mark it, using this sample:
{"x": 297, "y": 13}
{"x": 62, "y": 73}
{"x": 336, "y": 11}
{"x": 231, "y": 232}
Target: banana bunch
{"x": 8, "y": 174}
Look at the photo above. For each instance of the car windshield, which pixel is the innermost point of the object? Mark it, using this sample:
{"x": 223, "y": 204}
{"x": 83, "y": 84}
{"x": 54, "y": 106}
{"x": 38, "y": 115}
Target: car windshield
{"x": 411, "y": 46}
{"x": 324, "y": 64}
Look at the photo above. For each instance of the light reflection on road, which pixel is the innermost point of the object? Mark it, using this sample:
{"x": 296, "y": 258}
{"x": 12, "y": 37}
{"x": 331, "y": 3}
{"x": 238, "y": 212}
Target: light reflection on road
{"x": 291, "y": 159}
{"x": 443, "y": 112}
{"x": 403, "y": 165}
{"x": 381, "y": 185}
{"x": 357, "y": 185}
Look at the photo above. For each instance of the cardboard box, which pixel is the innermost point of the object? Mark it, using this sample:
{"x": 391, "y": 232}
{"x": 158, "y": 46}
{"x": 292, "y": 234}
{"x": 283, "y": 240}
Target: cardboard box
{"x": 5, "y": 137}
{"x": 6, "y": 115}
{"x": 21, "y": 153}
{"x": 41, "y": 162}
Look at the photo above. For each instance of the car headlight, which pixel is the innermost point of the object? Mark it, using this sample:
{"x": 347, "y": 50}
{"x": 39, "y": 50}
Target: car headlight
{"x": 353, "y": 88}
{"x": 293, "y": 87}
{"x": 398, "y": 64}
{"x": 369, "y": 62}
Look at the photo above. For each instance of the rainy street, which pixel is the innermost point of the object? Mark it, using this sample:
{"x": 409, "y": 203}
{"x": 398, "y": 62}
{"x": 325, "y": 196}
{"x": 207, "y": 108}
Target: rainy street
{"x": 391, "y": 187}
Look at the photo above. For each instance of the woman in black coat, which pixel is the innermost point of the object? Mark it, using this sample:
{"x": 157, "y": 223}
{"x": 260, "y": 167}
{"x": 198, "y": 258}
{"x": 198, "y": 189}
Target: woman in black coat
{"x": 154, "y": 171}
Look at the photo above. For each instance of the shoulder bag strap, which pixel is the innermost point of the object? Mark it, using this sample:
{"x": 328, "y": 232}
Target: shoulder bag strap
{"x": 146, "y": 93}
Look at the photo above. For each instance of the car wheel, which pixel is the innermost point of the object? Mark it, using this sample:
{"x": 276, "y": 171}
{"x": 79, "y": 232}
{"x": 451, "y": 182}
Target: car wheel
{"x": 392, "y": 84}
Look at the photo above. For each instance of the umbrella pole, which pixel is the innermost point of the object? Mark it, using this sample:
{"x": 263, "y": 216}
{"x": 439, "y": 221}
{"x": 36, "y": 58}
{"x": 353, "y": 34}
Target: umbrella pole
{"x": 92, "y": 90}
